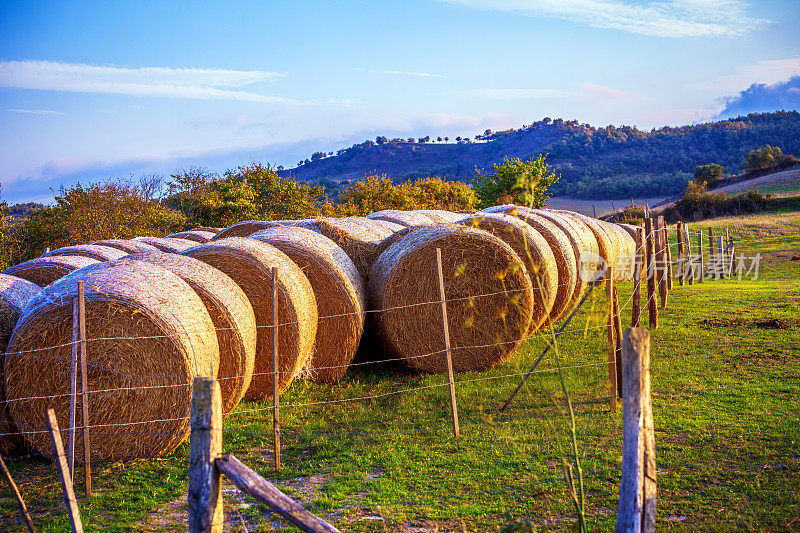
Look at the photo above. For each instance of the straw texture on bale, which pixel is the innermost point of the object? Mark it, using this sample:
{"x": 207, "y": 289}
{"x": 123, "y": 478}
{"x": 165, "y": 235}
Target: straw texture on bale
{"x": 490, "y": 298}
{"x": 440, "y": 216}
{"x": 606, "y": 246}
{"x": 248, "y": 262}
{"x": 193, "y": 235}
{"x": 243, "y": 229}
{"x": 409, "y": 219}
{"x": 339, "y": 291}
{"x": 173, "y": 246}
{"x": 362, "y": 244}
{"x": 128, "y": 246}
{"x": 207, "y": 228}
{"x": 385, "y": 224}
{"x": 625, "y": 250}
{"x": 45, "y": 270}
{"x": 154, "y": 336}
{"x": 560, "y": 245}
{"x": 537, "y": 258}
{"x": 231, "y": 313}
{"x": 15, "y": 293}
{"x": 376, "y": 226}
{"x": 94, "y": 251}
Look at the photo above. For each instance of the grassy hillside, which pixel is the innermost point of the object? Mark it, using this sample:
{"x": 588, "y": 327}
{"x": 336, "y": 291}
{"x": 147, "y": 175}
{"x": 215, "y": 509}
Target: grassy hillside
{"x": 594, "y": 162}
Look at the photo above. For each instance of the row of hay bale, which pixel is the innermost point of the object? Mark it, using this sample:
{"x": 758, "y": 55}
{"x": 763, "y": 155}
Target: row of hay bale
{"x": 161, "y": 311}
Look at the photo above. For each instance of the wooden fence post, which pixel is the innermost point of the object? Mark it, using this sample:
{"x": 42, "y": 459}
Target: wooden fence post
{"x": 205, "y": 491}
{"x": 617, "y": 344}
{"x": 636, "y": 302}
{"x": 612, "y": 344}
{"x": 637, "y": 494}
{"x": 448, "y": 354}
{"x": 651, "y": 273}
{"x": 702, "y": 276}
{"x": 681, "y": 252}
{"x": 661, "y": 261}
{"x": 731, "y": 255}
{"x": 87, "y": 463}
{"x": 73, "y": 389}
{"x": 668, "y": 253}
{"x": 710, "y": 250}
{"x": 718, "y": 270}
{"x": 688, "y": 248}
{"x": 22, "y": 507}
{"x": 276, "y": 414}
{"x": 64, "y": 473}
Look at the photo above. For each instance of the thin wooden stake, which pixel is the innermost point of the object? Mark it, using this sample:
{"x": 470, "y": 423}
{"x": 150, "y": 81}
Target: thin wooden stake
{"x": 64, "y": 474}
{"x": 87, "y": 463}
{"x": 637, "y": 495}
{"x": 205, "y": 445}
{"x": 718, "y": 269}
{"x": 688, "y": 246}
{"x": 22, "y": 507}
{"x": 617, "y": 344}
{"x": 661, "y": 261}
{"x": 702, "y": 276}
{"x": 594, "y": 212}
{"x": 651, "y": 273}
{"x": 710, "y": 249}
{"x": 276, "y": 420}
{"x": 73, "y": 389}
{"x": 448, "y": 353}
{"x": 668, "y": 254}
{"x": 730, "y": 260}
{"x": 612, "y": 345}
{"x": 636, "y": 303}
{"x": 681, "y": 253}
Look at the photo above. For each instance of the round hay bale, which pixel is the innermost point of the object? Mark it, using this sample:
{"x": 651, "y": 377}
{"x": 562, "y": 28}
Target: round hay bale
{"x": 440, "y": 216}
{"x": 625, "y": 250}
{"x": 193, "y": 235}
{"x": 94, "y": 251}
{"x": 129, "y": 247}
{"x": 148, "y": 336}
{"x": 45, "y": 270}
{"x": 231, "y": 313}
{"x": 606, "y": 246}
{"x": 375, "y": 226}
{"x": 249, "y": 263}
{"x": 244, "y": 228}
{"x": 490, "y": 299}
{"x": 173, "y": 246}
{"x": 388, "y": 226}
{"x": 561, "y": 247}
{"x": 15, "y": 293}
{"x": 362, "y": 244}
{"x": 409, "y": 219}
{"x": 339, "y": 291}
{"x": 207, "y": 228}
{"x": 537, "y": 258}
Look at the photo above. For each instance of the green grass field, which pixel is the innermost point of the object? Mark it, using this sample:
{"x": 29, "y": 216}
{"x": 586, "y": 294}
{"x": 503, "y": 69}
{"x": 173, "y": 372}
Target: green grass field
{"x": 726, "y": 381}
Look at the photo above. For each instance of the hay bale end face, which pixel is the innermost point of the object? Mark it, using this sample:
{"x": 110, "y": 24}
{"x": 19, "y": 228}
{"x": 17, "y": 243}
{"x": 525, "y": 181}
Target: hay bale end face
{"x": 193, "y": 235}
{"x": 231, "y": 313}
{"x": 537, "y": 258}
{"x": 490, "y": 298}
{"x": 94, "y": 251}
{"x": 127, "y": 246}
{"x": 15, "y": 293}
{"x": 339, "y": 292}
{"x": 249, "y": 263}
{"x": 153, "y": 337}
{"x": 171, "y": 245}
{"x": 45, "y": 270}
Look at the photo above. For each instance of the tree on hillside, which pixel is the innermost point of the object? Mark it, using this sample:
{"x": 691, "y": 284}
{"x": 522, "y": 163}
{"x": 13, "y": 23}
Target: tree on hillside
{"x": 381, "y": 140}
{"x": 316, "y": 156}
{"x": 446, "y": 139}
{"x": 515, "y": 181}
{"x": 438, "y": 139}
{"x": 767, "y": 157}
{"x": 710, "y": 175}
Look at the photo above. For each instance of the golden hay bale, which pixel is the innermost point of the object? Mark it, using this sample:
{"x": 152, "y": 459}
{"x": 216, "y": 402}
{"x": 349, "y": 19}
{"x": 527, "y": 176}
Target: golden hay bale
{"x": 148, "y": 336}
{"x": 362, "y": 244}
{"x": 249, "y": 263}
{"x": 440, "y": 216}
{"x": 207, "y": 228}
{"x": 129, "y": 247}
{"x": 536, "y": 255}
{"x": 15, "y": 293}
{"x": 94, "y": 251}
{"x": 626, "y": 250}
{"x": 339, "y": 291}
{"x": 490, "y": 298}
{"x": 386, "y": 225}
{"x": 561, "y": 247}
{"x": 408, "y": 219}
{"x": 375, "y": 226}
{"x": 173, "y": 246}
{"x": 231, "y": 313}
{"x": 244, "y": 228}
{"x": 606, "y": 246}
{"x": 45, "y": 270}
{"x": 193, "y": 235}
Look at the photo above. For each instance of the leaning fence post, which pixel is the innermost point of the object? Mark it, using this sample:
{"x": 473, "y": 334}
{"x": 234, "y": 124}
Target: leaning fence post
{"x": 448, "y": 354}
{"x": 637, "y": 494}
{"x": 22, "y": 507}
{"x": 612, "y": 346}
{"x": 63, "y": 472}
{"x": 651, "y": 273}
{"x": 636, "y": 302}
{"x": 87, "y": 463}
{"x": 730, "y": 260}
{"x": 205, "y": 491}
{"x": 276, "y": 410}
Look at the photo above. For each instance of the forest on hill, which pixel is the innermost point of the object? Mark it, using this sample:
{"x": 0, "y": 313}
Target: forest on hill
{"x": 594, "y": 163}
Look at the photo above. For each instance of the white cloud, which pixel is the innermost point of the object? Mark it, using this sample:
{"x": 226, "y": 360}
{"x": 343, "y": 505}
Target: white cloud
{"x": 660, "y": 18}
{"x": 769, "y": 71}
{"x": 519, "y": 94}
{"x": 36, "y": 111}
{"x": 192, "y": 83}
{"x": 402, "y": 73}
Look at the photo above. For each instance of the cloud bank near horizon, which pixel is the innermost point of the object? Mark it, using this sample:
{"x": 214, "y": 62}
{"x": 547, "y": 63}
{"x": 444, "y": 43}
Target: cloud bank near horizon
{"x": 762, "y": 97}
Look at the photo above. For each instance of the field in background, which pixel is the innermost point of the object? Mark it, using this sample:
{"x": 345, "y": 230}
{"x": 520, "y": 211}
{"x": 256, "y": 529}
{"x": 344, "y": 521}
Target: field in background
{"x": 603, "y": 207}
{"x": 726, "y": 380}
{"x": 785, "y": 182}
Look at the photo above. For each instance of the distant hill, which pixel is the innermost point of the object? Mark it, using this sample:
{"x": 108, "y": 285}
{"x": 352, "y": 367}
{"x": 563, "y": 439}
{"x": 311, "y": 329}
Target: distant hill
{"x": 593, "y": 162}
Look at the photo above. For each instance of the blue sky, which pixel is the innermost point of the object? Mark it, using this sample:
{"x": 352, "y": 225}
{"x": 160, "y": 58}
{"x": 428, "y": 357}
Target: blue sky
{"x": 90, "y": 90}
